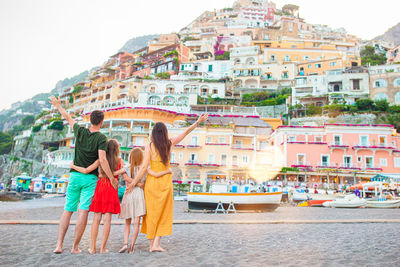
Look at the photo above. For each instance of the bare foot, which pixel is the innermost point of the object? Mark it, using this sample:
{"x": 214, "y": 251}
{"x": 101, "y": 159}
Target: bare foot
{"x": 157, "y": 249}
{"x": 58, "y": 250}
{"x": 104, "y": 251}
{"x": 131, "y": 250}
{"x": 75, "y": 251}
{"x": 124, "y": 248}
{"x": 92, "y": 251}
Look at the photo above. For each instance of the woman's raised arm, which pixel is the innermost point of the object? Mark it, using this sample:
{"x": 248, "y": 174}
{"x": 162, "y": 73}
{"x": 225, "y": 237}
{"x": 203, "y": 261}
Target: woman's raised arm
{"x": 177, "y": 139}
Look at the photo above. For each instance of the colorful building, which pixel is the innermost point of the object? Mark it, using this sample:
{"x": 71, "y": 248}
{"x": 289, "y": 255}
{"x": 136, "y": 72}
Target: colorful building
{"x": 385, "y": 83}
{"x": 337, "y": 153}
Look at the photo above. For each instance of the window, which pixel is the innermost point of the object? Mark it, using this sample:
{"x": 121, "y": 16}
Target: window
{"x": 215, "y": 91}
{"x": 397, "y": 98}
{"x": 333, "y": 64}
{"x": 369, "y": 162}
{"x": 193, "y": 158}
{"x": 325, "y": 160}
{"x": 356, "y": 84}
{"x": 194, "y": 141}
{"x": 397, "y": 162}
{"x": 381, "y": 96}
{"x": 318, "y": 139}
{"x": 211, "y": 158}
{"x": 245, "y": 159}
{"x": 285, "y": 75}
{"x": 196, "y": 68}
{"x": 301, "y": 159}
{"x": 234, "y": 160}
{"x": 396, "y": 82}
{"x": 347, "y": 161}
{"x": 382, "y": 140}
{"x": 286, "y": 58}
{"x": 383, "y": 162}
{"x": 359, "y": 159}
{"x": 292, "y": 138}
{"x": 318, "y": 66}
{"x": 223, "y": 159}
{"x": 173, "y": 157}
{"x": 380, "y": 83}
{"x": 221, "y": 140}
{"x": 210, "y": 68}
{"x": 309, "y": 66}
{"x": 209, "y": 139}
{"x": 238, "y": 143}
{"x": 180, "y": 155}
{"x": 337, "y": 140}
{"x": 364, "y": 140}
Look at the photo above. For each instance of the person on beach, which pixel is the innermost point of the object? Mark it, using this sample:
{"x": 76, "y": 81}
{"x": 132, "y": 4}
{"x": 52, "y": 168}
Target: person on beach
{"x": 158, "y": 192}
{"x": 90, "y": 145}
{"x": 105, "y": 199}
{"x": 133, "y": 204}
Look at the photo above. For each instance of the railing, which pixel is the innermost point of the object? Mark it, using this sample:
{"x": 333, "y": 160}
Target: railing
{"x": 373, "y": 146}
{"x": 239, "y": 147}
{"x": 338, "y": 144}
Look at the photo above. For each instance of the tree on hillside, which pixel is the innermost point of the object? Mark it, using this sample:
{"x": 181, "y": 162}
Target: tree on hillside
{"x": 364, "y": 104}
{"x": 290, "y": 9}
{"x": 28, "y": 120}
{"x": 6, "y": 141}
{"x": 369, "y": 56}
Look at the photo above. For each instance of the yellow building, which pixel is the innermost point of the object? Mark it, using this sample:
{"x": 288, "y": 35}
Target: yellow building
{"x": 225, "y": 147}
{"x": 319, "y": 67}
{"x": 304, "y": 50}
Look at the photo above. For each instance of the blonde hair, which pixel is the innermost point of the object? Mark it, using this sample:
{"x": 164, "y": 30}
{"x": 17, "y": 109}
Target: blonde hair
{"x": 135, "y": 159}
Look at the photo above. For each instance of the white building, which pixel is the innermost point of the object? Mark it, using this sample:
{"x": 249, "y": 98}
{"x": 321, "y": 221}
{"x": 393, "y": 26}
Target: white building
{"x": 216, "y": 69}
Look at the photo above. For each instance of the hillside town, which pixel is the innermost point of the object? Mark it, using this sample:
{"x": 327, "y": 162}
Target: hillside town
{"x": 291, "y": 96}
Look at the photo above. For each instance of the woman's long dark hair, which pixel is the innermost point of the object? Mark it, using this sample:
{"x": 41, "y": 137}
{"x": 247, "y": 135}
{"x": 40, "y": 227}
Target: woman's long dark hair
{"x": 113, "y": 154}
{"x": 159, "y": 136}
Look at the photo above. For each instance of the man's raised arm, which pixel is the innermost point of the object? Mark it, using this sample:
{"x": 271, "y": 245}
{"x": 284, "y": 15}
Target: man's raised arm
{"x": 105, "y": 166}
{"x": 56, "y": 102}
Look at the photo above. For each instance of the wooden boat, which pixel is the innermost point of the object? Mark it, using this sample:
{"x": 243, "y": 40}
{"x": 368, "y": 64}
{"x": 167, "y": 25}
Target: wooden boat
{"x": 257, "y": 201}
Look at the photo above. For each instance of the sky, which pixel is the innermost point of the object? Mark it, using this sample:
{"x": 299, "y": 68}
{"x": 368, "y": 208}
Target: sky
{"x": 44, "y": 41}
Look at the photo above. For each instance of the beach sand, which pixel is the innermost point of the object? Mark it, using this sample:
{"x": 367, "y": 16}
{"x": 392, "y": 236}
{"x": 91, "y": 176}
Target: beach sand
{"x": 337, "y": 244}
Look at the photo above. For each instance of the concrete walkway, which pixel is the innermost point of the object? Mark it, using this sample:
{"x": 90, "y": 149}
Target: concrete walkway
{"x": 121, "y": 222}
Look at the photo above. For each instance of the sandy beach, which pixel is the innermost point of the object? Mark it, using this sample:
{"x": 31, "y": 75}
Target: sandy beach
{"x": 334, "y": 244}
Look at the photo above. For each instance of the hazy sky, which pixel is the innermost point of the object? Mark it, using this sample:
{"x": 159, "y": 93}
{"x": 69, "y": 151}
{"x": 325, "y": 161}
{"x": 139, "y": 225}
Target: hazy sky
{"x": 44, "y": 41}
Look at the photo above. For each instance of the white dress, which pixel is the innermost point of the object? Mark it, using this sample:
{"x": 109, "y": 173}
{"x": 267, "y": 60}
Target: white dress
{"x": 133, "y": 203}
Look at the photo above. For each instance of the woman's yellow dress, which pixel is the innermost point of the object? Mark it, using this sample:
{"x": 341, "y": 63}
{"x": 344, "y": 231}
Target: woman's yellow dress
{"x": 158, "y": 194}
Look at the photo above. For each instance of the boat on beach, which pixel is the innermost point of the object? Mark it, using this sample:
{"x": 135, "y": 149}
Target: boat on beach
{"x": 384, "y": 204}
{"x": 239, "y": 196}
{"x": 349, "y": 201}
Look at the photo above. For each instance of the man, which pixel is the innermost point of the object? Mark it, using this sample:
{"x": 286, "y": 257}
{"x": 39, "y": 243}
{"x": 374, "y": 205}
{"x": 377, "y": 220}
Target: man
{"x": 90, "y": 145}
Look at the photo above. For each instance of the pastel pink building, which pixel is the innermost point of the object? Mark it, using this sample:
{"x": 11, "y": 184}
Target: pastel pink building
{"x": 337, "y": 153}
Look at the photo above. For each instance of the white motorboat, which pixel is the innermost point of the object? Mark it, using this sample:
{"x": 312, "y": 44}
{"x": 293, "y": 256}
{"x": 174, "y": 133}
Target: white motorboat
{"x": 384, "y": 204}
{"x": 240, "y": 196}
{"x": 349, "y": 201}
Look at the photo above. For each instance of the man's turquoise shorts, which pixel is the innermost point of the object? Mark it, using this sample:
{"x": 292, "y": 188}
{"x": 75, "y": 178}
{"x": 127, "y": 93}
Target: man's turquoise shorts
{"x": 80, "y": 191}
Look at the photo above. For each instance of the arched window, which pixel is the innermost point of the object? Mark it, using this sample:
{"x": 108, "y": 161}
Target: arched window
{"x": 381, "y": 96}
{"x": 170, "y": 89}
{"x": 380, "y": 83}
{"x": 237, "y": 61}
{"x": 396, "y": 82}
{"x": 250, "y": 61}
{"x": 397, "y": 98}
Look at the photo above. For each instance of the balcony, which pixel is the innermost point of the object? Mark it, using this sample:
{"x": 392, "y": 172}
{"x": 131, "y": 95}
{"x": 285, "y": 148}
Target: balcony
{"x": 174, "y": 163}
{"x": 239, "y": 147}
{"x": 193, "y": 146}
{"x": 338, "y": 145}
{"x": 317, "y": 143}
{"x": 210, "y": 165}
{"x": 217, "y": 144}
{"x": 193, "y": 163}
{"x": 374, "y": 148}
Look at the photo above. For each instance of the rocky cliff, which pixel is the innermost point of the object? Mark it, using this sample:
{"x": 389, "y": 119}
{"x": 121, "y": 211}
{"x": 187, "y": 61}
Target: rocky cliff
{"x": 391, "y": 35}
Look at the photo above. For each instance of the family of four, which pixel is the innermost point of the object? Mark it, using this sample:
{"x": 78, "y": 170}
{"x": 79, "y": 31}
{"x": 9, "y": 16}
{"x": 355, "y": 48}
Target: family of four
{"x": 89, "y": 189}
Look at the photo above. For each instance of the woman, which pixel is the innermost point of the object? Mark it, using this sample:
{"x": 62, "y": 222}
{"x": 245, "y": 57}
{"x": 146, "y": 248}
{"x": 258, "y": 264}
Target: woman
{"x": 158, "y": 192}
